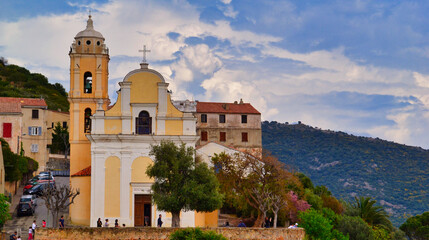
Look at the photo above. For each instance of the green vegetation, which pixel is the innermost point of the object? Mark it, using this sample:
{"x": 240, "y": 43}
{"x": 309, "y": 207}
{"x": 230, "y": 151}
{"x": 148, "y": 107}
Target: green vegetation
{"x": 16, "y": 166}
{"x": 195, "y": 234}
{"x": 393, "y": 174}
{"x": 182, "y": 183}
{"x": 4, "y": 210}
{"x": 417, "y": 227}
{"x": 17, "y": 81}
{"x": 60, "y": 140}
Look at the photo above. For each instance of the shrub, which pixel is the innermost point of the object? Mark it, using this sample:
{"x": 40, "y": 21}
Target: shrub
{"x": 195, "y": 234}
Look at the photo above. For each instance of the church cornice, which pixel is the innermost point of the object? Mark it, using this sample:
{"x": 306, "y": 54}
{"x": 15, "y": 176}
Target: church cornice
{"x": 149, "y": 139}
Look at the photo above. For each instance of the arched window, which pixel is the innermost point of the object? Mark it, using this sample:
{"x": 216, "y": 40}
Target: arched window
{"x": 88, "y": 120}
{"x": 87, "y": 82}
{"x": 143, "y": 123}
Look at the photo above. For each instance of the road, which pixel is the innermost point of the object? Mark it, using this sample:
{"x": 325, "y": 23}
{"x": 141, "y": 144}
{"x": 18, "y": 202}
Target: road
{"x": 21, "y": 224}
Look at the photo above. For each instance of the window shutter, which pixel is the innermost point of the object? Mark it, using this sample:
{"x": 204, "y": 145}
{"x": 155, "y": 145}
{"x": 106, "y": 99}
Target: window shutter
{"x": 39, "y": 131}
{"x": 29, "y": 131}
{"x": 7, "y": 130}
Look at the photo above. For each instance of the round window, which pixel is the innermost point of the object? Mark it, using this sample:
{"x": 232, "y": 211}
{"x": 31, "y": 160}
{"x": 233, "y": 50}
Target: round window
{"x": 78, "y": 42}
{"x": 98, "y": 43}
{"x": 88, "y": 42}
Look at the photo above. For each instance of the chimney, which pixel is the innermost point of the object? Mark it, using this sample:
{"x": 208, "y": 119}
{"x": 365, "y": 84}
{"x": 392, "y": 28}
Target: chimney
{"x": 241, "y": 101}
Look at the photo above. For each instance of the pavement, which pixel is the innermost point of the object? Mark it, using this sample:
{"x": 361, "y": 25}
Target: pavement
{"x": 21, "y": 224}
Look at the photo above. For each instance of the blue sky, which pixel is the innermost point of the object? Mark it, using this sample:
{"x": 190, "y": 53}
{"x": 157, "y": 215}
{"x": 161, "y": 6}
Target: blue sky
{"x": 354, "y": 66}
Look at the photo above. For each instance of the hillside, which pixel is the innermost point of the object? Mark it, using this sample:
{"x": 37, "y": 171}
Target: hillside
{"x": 396, "y": 175}
{"x": 17, "y": 81}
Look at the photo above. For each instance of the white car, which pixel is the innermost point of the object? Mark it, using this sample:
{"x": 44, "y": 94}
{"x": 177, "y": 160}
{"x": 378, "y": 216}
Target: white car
{"x": 29, "y": 198}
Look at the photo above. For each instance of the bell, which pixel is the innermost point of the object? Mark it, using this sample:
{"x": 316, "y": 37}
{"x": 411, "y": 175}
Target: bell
{"x": 88, "y": 85}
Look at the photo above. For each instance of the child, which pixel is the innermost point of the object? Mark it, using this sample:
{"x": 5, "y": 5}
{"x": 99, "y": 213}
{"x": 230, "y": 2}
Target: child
{"x": 19, "y": 237}
{"x": 43, "y": 224}
{"x": 116, "y": 223}
{"x": 30, "y": 233}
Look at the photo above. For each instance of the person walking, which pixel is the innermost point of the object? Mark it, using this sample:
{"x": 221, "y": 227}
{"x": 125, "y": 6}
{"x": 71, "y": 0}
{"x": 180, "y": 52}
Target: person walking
{"x": 13, "y": 236}
{"x": 99, "y": 223}
{"x": 61, "y": 222}
{"x": 160, "y": 222}
{"x": 33, "y": 226}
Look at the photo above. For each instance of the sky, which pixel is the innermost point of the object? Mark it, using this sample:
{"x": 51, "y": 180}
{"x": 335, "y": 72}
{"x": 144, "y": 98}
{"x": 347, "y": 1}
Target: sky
{"x": 356, "y": 66}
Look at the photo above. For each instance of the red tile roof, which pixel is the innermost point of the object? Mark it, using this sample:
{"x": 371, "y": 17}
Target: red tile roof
{"x": 215, "y": 107}
{"x": 24, "y": 101}
{"x": 83, "y": 173}
{"x": 10, "y": 107}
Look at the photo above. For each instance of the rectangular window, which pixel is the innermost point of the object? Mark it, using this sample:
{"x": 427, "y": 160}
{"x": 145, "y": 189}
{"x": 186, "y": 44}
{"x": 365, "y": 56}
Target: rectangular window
{"x": 7, "y": 130}
{"x": 204, "y": 136}
{"x": 34, "y": 148}
{"x": 222, "y": 118}
{"x": 243, "y": 118}
{"x": 35, "y": 114}
{"x": 64, "y": 124}
{"x": 244, "y": 137}
{"x": 35, "y": 131}
{"x": 52, "y": 125}
{"x": 222, "y": 137}
{"x": 203, "y": 118}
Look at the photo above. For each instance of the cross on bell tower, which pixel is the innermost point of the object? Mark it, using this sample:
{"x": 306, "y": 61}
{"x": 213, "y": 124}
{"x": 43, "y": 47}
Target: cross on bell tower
{"x": 144, "y": 51}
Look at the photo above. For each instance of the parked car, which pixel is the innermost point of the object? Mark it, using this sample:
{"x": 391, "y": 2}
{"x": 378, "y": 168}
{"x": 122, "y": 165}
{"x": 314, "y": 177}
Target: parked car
{"x": 25, "y": 208}
{"x": 30, "y": 185}
{"x": 29, "y": 198}
{"x": 46, "y": 179}
{"x": 38, "y": 189}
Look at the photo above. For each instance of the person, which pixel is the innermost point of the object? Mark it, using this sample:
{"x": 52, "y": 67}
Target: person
{"x": 30, "y": 233}
{"x": 33, "y": 226}
{"x": 123, "y": 224}
{"x": 13, "y": 236}
{"x": 116, "y": 223}
{"x": 241, "y": 224}
{"x": 43, "y": 223}
{"x": 106, "y": 224}
{"x": 267, "y": 222}
{"x": 61, "y": 222}
{"x": 19, "y": 237}
{"x": 160, "y": 222}
{"x": 227, "y": 224}
{"x": 99, "y": 223}
{"x": 271, "y": 222}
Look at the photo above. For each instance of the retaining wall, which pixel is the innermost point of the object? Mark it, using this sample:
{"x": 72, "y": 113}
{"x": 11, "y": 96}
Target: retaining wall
{"x": 164, "y": 233}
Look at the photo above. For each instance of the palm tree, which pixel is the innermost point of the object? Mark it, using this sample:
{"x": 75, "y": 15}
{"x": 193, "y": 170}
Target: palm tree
{"x": 369, "y": 212}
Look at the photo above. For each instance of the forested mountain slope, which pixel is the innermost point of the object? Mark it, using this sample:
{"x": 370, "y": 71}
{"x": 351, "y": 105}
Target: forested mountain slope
{"x": 17, "y": 81}
{"x": 396, "y": 175}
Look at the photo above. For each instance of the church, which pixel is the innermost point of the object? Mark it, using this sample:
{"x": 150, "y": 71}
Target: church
{"x": 110, "y": 145}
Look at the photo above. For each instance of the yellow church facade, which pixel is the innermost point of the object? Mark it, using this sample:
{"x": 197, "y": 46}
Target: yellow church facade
{"x": 110, "y": 145}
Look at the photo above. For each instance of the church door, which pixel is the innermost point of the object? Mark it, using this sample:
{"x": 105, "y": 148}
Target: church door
{"x": 142, "y": 210}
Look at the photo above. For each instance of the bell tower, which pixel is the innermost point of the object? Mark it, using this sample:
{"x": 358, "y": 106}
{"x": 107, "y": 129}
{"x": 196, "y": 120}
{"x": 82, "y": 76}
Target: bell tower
{"x": 89, "y": 59}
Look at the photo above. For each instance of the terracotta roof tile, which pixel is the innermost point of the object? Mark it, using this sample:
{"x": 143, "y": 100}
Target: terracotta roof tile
{"x": 24, "y": 101}
{"x": 14, "y": 107}
{"x": 215, "y": 107}
{"x": 83, "y": 173}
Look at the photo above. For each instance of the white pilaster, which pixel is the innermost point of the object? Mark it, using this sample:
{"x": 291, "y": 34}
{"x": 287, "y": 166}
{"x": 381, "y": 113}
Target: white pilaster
{"x": 126, "y": 107}
{"x": 126, "y": 162}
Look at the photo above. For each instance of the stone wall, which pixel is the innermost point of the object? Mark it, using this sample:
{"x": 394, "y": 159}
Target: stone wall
{"x": 164, "y": 233}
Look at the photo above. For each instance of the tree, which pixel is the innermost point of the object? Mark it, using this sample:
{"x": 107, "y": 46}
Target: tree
{"x": 60, "y": 139}
{"x": 258, "y": 181}
{"x": 296, "y": 206}
{"x": 318, "y": 227}
{"x": 369, "y": 212}
{"x": 182, "y": 183}
{"x": 57, "y": 199}
{"x": 4, "y": 210}
{"x": 417, "y": 227}
{"x": 355, "y": 227}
